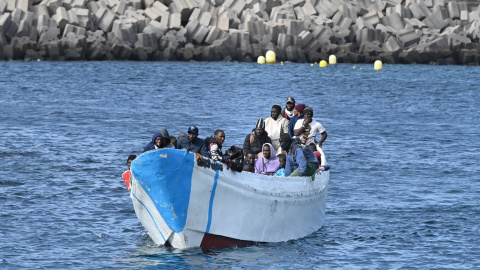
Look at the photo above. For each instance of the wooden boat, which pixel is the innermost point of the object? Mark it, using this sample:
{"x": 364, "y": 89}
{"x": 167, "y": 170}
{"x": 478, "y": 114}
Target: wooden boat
{"x": 186, "y": 201}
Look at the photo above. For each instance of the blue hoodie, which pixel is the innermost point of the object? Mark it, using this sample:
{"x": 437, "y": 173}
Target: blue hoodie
{"x": 151, "y": 144}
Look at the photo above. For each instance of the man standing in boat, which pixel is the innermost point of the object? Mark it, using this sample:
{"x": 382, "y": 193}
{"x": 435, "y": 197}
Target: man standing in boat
{"x": 214, "y": 147}
{"x": 275, "y": 125}
{"x": 289, "y": 107}
{"x": 192, "y": 143}
{"x": 254, "y": 141}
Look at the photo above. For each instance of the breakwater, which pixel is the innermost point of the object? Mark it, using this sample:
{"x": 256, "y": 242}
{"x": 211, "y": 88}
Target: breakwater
{"x": 356, "y": 31}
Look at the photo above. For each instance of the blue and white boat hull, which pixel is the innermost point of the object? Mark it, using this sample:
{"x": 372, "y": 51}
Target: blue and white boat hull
{"x": 185, "y": 202}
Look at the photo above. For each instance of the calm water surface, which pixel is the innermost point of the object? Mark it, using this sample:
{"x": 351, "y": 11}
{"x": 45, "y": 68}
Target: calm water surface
{"x": 403, "y": 144}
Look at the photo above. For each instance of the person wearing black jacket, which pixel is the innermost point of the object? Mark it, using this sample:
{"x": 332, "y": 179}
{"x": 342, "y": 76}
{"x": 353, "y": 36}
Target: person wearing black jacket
{"x": 254, "y": 141}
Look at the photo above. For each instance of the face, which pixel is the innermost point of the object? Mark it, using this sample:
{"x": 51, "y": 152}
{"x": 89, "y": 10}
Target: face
{"x": 250, "y": 158}
{"x": 266, "y": 152}
{"x": 296, "y": 113}
{"x": 220, "y": 137}
{"x": 166, "y": 141}
{"x": 259, "y": 131}
{"x": 308, "y": 116}
{"x": 192, "y": 136}
{"x": 129, "y": 163}
{"x": 290, "y": 106}
{"x": 282, "y": 162}
{"x": 158, "y": 141}
{"x": 275, "y": 113}
{"x": 173, "y": 141}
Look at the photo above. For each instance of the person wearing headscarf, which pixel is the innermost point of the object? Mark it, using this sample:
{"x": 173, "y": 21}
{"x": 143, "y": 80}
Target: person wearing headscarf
{"x": 268, "y": 163}
{"x": 156, "y": 143}
{"x": 254, "y": 141}
{"x": 275, "y": 125}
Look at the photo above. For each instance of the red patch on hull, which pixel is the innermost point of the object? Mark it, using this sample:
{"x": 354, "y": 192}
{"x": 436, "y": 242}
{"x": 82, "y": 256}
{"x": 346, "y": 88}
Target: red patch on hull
{"x": 217, "y": 241}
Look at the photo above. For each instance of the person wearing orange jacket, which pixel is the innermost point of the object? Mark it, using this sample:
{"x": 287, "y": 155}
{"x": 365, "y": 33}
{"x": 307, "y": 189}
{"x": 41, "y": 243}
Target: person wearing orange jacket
{"x": 126, "y": 174}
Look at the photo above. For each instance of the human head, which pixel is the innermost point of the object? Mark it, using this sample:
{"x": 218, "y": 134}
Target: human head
{"x": 282, "y": 159}
{"x": 308, "y": 112}
{"x": 181, "y": 135}
{"x": 130, "y": 159}
{"x": 219, "y": 135}
{"x": 192, "y": 133}
{"x": 290, "y": 103}
{"x": 266, "y": 151}
{"x": 299, "y": 109}
{"x": 159, "y": 141}
{"x": 276, "y": 110}
{"x": 248, "y": 168}
{"x": 259, "y": 127}
{"x": 250, "y": 157}
{"x": 285, "y": 141}
{"x": 173, "y": 140}
{"x": 166, "y": 136}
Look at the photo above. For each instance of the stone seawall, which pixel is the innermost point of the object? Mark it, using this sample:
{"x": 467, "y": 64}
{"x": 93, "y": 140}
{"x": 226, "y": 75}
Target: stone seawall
{"x": 356, "y": 31}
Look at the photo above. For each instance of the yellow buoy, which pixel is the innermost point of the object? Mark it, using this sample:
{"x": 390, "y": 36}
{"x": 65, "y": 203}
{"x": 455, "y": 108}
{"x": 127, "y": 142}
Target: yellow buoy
{"x": 323, "y": 63}
{"x": 270, "y": 57}
{"x": 281, "y": 63}
{"x": 354, "y": 67}
{"x": 316, "y": 63}
{"x": 261, "y": 60}
{"x": 332, "y": 60}
{"x": 377, "y": 65}
{"x": 311, "y": 65}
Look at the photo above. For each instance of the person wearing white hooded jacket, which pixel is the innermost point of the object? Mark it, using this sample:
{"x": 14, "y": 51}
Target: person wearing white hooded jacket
{"x": 276, "y": 125}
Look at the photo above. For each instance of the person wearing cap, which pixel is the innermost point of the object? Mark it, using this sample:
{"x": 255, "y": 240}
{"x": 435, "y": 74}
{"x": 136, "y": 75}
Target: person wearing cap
{"x": 214, "y": 147}
{"x": 275, "y": 125}
{"x": 298, "y": 115}
{"x": 255, "y": 141}
{"x": 156, "y": 143}
{"x": 309, "y": 128}
{"x": 287, "y": 113}
{"x": 167, "y": 143}
{"x": 192, "y": 143}
{"x": 300, "y": 160}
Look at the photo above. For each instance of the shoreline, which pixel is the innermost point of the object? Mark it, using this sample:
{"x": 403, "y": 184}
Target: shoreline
{"x": 360, "y": 31}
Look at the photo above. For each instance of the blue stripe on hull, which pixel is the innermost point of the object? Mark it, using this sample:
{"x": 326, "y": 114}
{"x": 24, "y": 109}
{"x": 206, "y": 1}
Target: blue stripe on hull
{"x": 212, "y": 196}
{"x": 166, "y": 176}
{"x": 150, "y": 216}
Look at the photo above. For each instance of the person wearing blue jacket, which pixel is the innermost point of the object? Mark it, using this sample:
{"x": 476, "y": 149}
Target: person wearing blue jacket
{"x": 300, "y": 160}
{"x": 192, "y": 143}
{"x": 155, "y": 143}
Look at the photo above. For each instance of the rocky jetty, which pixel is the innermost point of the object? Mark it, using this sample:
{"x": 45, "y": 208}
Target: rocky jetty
{"x": 356, "y": 31}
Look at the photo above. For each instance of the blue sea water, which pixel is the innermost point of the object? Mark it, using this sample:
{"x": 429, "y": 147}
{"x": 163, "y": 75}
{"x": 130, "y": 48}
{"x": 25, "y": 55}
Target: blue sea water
{"x": 403, "y": 144}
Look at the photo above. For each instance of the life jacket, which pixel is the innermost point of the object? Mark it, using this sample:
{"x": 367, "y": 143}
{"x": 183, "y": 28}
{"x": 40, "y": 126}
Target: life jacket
{"x": 126, "y": 178}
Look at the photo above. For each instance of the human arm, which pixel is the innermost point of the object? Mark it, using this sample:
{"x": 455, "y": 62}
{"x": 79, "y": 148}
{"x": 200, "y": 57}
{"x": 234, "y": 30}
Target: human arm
{"x": 246, "y": 145}
{"x": 301, "y": 161}
{"x": 301, "y": 129}
{"x": 324, "y": 137}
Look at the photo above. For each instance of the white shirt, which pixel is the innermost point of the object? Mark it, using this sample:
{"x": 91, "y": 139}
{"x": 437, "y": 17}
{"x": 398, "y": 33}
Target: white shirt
{"x": 316, "y": 128}
{"x": 274, "y": 127}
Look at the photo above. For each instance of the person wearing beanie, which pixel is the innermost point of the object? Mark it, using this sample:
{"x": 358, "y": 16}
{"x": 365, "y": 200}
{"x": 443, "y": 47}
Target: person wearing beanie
{"x": 275, "y": 125}
{"x": 287, "y": 113}
{"x": 254, "y": 141}
{"x": 298, "y": 115}
{"x": 309, "y": 128}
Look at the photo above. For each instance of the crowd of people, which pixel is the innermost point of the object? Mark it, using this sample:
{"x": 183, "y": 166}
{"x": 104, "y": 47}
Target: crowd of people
{"x": 282, "y": 145}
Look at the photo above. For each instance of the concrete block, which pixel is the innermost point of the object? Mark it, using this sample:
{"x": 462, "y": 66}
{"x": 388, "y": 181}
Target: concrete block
{"x": 309, "y": 9}
{"x": 438, "y": 3}
{"x": 214, "y": 33}
{"x": 435, "y": 21}
{"x": 454, "y": 10}
{"x": 341, "y": 21}
{"x": 238, "y": 37}
{"x": 369, "y": 35}
{"x": 120, "y": 8}
{"x": 361, "y": 23}
{"x": 327, "y": 8}
{"x": 294, "y": 27}
{"x": 203, "y": 17}
{"x": 174, "y": 21}
{"x": 23, "y": 4}
{"x": 417, "y": 12}
{"x": 184, "y": 7}
{"x": 78, "y": 31}
{"x": 104, "y": 19}
{"x": 25, "y": 29}
{"x": 274, "y": 29}
{"x": 282, "y": 13}
{"x": 408, "y": 37}
{"x": 223, "y": 22}
{"x": 52, "y": 6}
{"x": 79, "y": 3}
{"x": 348, "y": 11}
{"x": 372, "y": 18}
{"x": 392, "y": 45}
{"x": 196, "y": 31}
{"x": 3, "y": 7}
{"x": 156, "y": 28}
{"x": 464, "y": 15}
{"x": 394, "y": 21}
{"x": 299, "y": 13}
{"x": 39, "y": 11}
{"x": 61, "y": 17}
{"x": 256, "y": 29}
{"x": 236, "y": 5}
{"x": 44, "y": 23}
{"x": 414, "y": 23}
{"x": 323, "y": 34}
{"x": 387, "y": 30}
{"x": 48, "y": 35}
